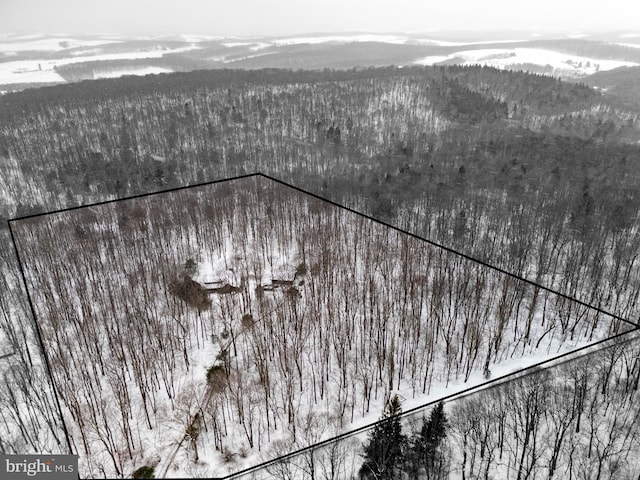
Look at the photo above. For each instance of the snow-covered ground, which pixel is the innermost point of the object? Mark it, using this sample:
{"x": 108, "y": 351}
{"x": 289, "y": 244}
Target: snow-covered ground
{"x": 200, "y": 38}
{"x": 43, "y": 70}
{"x": 137, "y": 71}
{"x": 369, "y": 37}
{"x": 373, "y": 313}
{"x": 27, "y": 72}
{"x": 559, "y": 63}
{"x": 447, "y": 43}
{"x": 250, "y": 45}
{"x": 226, "y": 59}
{"x": 632, "y": 45}
{"x": 17, "y": 44}
{"x": 395, "y": 39}
{"x": 40, "y": 68}
{"x": 497, "y": 398}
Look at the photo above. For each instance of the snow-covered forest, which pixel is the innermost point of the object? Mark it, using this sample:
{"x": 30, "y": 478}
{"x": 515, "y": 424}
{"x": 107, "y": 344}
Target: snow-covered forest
{"x": 533, "y": 175}
{"x": 577, "y": 419}
{"x": 247, "y": 312}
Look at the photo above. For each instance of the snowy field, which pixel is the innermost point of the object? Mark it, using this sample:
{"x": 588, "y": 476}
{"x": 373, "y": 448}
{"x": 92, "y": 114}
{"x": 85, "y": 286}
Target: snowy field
{"x": 519, "y": 58}
{"x": 394, "y": 39}
{"x": 33, "y": 71}
{"x": 133, "y": 71}
{"x": 391, "y": 39}
{"x": 632, "y": 45}
{"x": 12, "y": 44}
{"x": 250, "y": 45}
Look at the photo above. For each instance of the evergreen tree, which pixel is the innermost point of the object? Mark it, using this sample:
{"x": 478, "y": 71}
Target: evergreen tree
{"x": 384, "y": 453}
{"x": 426, "y": 459}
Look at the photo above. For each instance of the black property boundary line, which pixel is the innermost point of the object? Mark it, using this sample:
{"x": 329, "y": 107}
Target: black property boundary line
{"x": 495, "y": 383}
{"x": 348, "y": 209}
{"x": 28, "y": 290}
{"x": 132, "y": 197}
{"x": 41, "y": 342}
{"x": 516, "y": 374}
{"x": 455, "y": 252}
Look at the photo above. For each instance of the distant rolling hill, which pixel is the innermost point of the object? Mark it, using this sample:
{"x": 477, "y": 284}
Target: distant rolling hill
{"x": 623, "y": 83}
{"x": 37, "y": 60}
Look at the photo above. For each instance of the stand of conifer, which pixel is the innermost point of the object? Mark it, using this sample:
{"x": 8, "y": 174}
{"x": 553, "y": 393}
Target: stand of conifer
{"x": 384, "y": 453}
{"x": 426, "y": 457}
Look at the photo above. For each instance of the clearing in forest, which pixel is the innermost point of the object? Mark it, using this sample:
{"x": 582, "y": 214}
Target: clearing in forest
{"x": 203, "y": 330}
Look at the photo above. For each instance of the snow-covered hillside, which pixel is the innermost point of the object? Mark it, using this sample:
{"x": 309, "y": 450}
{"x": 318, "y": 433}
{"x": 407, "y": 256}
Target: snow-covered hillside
{"x": 555, "y": 63}
{"x": 14, "y": 44}
{"x": 318, "y": 39}
{"x": 44, "y": 70}
{"x": 33, "y": 59}
{"x": 133, "y": 71}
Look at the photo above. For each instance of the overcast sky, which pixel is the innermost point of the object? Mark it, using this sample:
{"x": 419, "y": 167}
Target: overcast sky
{"x": 281, "y": 17}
